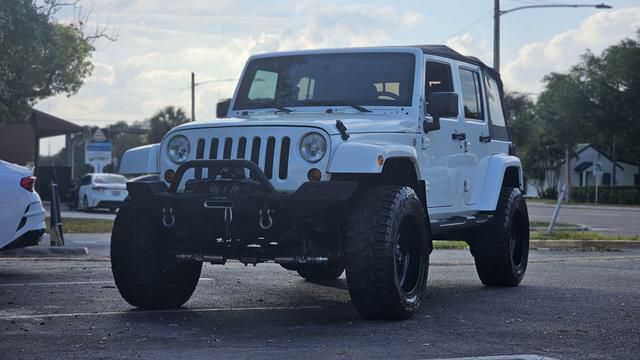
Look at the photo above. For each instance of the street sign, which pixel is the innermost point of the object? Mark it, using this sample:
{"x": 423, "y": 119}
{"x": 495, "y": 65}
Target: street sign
{"x": 597, "y": 169}
{"x": 98, "y": 136}
{"x": 98, "y": 154}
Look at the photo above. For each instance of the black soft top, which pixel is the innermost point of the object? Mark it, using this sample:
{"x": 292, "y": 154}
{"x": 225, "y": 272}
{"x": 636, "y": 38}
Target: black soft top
{"x": 445, "y": 51}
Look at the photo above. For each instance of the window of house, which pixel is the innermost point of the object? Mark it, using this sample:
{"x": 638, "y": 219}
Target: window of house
{"x": 606, "y": 179}
{"x": 471, "y": 95}
{"x": 438, "y": 79}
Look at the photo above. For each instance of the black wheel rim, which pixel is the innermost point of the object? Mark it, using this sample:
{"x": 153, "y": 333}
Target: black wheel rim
{"x": 518, "y": 238}
{"x": 407, "y": 256}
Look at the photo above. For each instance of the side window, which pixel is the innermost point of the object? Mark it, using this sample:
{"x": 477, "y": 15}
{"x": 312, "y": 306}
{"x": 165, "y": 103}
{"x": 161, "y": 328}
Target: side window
{"x": 495, "y": 105}
{"x": 388, "y": 90}
{"x": 263, "y": 86}
{"x": 306, "y": 87}
{"x": 438, "y": 79}
{"x": 471, "y": 95}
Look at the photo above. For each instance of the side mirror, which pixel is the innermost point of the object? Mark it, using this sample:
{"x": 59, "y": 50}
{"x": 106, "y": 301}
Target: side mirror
{"x": 440, "y": 104}
{"x": 222, "y": 108}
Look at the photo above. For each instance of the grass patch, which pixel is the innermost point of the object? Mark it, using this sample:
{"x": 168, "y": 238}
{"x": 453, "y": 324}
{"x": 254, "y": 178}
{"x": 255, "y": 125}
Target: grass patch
{"x": 579, "y": 235}
{"x": 93, "y": 226}
{"x": 449, "y": 244}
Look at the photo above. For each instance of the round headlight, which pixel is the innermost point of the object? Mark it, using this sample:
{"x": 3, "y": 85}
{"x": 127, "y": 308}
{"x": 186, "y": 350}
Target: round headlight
{"x": 178, "y": 149}
{"x": 313, "y": 147}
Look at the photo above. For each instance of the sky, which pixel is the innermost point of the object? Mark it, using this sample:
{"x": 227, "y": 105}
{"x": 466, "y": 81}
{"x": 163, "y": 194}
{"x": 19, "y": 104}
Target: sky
{"x": 160, "y": 42}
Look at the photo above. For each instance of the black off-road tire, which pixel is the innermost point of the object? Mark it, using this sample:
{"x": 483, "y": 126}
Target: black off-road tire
{"x": 321, "y": 272}
{"x": 501, "y": 251}
{"x": 387, "y": 247}
{"x": 144, "y": 274}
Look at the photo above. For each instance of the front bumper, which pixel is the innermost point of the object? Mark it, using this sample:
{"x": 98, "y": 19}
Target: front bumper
{"x": 238, "y": 214}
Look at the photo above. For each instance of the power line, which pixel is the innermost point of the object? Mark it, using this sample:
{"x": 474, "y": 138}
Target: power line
{"x": 481, "y": 17}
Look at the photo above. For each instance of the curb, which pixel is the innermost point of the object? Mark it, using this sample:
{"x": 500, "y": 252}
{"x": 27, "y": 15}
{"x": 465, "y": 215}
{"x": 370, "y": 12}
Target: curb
{"x": 46, "y": 251}
{"x": 587, "y": 206}
{"x": 572, "y": 244}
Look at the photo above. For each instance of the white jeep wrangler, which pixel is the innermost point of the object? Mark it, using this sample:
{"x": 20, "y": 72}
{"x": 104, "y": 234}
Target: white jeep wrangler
{"x": 329, "y": 160}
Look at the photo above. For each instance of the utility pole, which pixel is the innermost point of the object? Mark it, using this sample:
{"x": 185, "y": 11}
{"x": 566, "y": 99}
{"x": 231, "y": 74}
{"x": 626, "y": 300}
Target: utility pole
{"x": 496, "y": 22}
{"x": 496, "y": 35}
{"x": 193, "y": 96}
{"x": 567, "y": 160}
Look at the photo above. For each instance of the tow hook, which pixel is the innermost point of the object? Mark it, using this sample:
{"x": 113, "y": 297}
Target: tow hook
{"x": 168, "y": 220}
{"x": 269, "y": 223}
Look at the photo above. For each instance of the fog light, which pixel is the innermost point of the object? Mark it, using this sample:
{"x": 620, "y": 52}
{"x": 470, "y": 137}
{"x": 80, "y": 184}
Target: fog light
{"x": 314, "y": 174}
{"x": 168, "y": 175}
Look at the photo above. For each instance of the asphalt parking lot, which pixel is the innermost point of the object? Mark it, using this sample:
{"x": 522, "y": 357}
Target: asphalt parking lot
{"x": 571, "y": 305}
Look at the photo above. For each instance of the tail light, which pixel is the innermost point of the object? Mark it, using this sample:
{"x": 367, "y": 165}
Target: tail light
{"x": 98, "y": 188}
{"x": 28, "y": 183}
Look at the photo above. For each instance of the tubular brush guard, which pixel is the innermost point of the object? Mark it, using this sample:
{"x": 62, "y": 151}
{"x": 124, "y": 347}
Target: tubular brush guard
{"x": 236, "y": 213}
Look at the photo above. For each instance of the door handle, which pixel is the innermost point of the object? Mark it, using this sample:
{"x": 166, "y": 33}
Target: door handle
{"x": 459, "y": 136}
{"x": 485, "y": 139}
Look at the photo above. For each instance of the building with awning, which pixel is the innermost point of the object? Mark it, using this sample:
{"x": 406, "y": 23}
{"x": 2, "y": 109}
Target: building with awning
{"x": 20, "y": 140}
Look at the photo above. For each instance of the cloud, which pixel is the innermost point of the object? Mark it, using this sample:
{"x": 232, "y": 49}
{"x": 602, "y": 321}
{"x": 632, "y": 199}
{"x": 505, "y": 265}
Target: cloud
{"x": 535, "y": 60}
{"x": 159, "y": 46}
{"x": 468, "y": 44}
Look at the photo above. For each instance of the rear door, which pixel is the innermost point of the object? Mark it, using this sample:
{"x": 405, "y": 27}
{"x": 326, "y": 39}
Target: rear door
{"x": 475, "y": 139}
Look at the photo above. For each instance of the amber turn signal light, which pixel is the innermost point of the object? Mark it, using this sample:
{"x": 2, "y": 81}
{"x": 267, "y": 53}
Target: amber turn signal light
{"x": 314, "y": 174}
{"x": 168, "y": 175}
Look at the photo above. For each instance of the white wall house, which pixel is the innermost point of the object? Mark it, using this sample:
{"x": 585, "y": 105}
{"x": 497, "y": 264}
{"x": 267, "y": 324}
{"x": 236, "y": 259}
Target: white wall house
{"x": 582, "y": 171}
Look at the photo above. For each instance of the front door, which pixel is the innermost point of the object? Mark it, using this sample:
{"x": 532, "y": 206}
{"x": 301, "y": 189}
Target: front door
{"x": 440, "y": 151}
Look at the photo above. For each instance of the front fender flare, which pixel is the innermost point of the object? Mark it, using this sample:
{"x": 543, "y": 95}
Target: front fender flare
{"x": 361, "y": 157}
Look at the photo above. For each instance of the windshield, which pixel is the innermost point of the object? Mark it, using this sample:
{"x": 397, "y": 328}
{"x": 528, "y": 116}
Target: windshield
{"x": 109, "y": 179}
{"x": 377, "y": 79}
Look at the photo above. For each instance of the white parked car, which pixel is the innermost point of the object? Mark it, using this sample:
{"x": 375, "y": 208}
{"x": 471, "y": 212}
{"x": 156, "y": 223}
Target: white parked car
{"x": 106, "y": 191}
{"x": 21, "y": 212}
{"x": 325, "y": 161}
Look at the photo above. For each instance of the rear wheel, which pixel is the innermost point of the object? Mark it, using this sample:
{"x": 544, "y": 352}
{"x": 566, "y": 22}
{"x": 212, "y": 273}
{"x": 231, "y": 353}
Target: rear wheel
{"x": 144, "y": 274}
{"x": 387, "y": 252}
{"x": 501, "y": 250}
{"x": 321, "y": 272}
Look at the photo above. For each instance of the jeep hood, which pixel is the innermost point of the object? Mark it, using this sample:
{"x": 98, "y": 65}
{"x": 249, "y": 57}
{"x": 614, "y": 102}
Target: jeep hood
{"x": 355, "y": 122}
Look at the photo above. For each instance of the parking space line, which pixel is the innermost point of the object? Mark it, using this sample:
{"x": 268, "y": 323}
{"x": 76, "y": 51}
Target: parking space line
{"x": 147, "y": 312}
{"x": 72, "y": 283}
{"x": 503, "y": 357}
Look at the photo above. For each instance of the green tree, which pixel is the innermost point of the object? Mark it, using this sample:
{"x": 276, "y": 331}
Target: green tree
{"x": 537, "y": 152}
{"x": 39, "y": 57}
{"x": 163, "y": 121}
{"x": 612, "y": 84}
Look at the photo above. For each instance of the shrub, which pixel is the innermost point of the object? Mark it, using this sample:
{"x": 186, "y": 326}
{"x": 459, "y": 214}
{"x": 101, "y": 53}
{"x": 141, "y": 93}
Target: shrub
{"x": 607, "y": 194}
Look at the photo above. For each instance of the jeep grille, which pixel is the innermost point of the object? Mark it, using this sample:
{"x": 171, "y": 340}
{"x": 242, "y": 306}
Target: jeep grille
{"x": 271, "y": 151}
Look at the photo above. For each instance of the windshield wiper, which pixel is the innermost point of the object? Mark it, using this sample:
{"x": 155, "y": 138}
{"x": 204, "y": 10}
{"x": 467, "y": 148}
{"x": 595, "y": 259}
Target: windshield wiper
{"x": 281, "y": 108}
{"x": 359, "y": 108}
{"x": 336, "y": 103}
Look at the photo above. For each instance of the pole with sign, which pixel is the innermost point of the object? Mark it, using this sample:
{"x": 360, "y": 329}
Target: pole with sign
{"x": 98, "y": 155}
{"x": 597, "y": 174}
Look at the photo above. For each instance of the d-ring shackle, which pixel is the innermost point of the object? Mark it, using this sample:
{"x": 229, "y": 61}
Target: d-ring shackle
{"x": 168, "y": 220}
{"x": 269, "y": 223}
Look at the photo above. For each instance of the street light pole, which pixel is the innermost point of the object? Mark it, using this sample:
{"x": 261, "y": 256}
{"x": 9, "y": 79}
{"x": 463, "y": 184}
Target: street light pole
{"x": 496, "y": 22}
